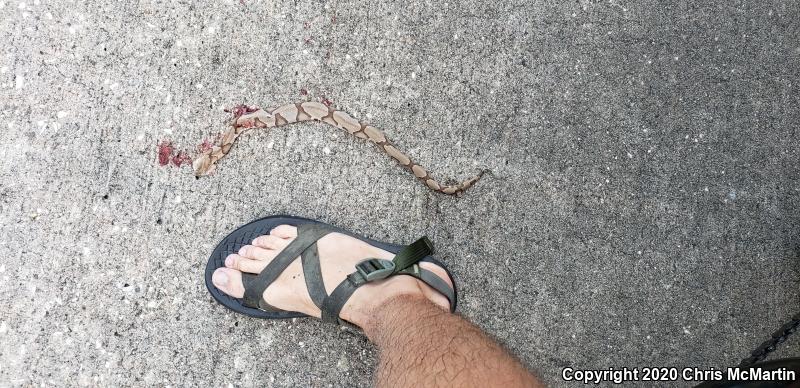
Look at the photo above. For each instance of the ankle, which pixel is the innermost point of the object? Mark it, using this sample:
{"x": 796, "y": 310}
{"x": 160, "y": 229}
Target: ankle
{"x": 369, "y": 300}
{"x": 371, "y": 297}
{"x": 399, "y": 313}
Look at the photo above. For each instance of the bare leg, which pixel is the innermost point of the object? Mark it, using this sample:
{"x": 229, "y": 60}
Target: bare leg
{"x": 422, "y": 345}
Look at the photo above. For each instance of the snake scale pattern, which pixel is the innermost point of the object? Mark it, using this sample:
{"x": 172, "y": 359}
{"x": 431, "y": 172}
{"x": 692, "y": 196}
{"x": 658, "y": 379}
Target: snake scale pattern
{"x": 246, "y": 117}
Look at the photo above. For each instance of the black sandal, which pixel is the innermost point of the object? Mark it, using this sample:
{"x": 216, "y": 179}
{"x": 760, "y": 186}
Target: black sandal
{"x": 304, "y": 246}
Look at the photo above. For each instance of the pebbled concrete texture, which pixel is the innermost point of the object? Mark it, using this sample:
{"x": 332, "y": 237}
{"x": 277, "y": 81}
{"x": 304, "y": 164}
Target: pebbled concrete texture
{"x": 643, "y": 205}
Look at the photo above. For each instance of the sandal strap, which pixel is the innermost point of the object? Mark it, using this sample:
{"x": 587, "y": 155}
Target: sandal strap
{"x": 313, "y": 275}
{"x": 405, "y": 263}
{"x": 437, "y": 284}
{"x": 332, "y": 305}
{"x": 307, "y": 235}
{"x": 247, "y": 281}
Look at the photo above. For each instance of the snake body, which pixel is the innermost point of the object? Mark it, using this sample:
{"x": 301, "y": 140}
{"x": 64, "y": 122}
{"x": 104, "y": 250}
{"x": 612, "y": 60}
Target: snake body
{"x": 246, "y": 118}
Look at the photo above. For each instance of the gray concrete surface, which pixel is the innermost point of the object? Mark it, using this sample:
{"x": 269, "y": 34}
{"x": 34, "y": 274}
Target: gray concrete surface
{"x": 643, "y": 206}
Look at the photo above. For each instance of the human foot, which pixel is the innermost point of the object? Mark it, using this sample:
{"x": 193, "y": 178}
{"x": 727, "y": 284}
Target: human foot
{"x": 339, "y": 254}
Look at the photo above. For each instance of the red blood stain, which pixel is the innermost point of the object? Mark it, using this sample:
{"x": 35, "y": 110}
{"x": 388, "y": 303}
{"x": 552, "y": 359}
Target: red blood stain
{"x": 303, "y": 92}
{"x": 206, "y": 145}
{"x": 333, "y": 19}
{"x": 181, "y": 158}
{"x": 239, "y": 110}
{"x": 242, "y": 2}
{"x": 308, "y": 39}
{"x": 327, "y": 102}
{"x": 164, "y": 152}
{"x": 209, "y": 143}
{"x": 306, "y": 25}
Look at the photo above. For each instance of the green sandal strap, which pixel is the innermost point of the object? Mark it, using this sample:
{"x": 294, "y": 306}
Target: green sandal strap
{"x": 307, "y": 235}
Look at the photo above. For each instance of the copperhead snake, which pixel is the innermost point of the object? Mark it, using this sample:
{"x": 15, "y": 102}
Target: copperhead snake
{"x": 246, "y": 117}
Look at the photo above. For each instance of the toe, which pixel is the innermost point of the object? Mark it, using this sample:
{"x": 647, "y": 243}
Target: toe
{"x": 229, "y": 281}
{"x": 244, "y": 264}
{"x": 284, "y": 231}
{"x": 257, "y": 253}
{"x": 269, "y": 241}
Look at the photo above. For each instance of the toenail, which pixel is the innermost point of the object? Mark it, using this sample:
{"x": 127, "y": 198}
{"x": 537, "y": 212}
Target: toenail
{"x": 242, "y": 250}
{"x": 220, "y": 279}
{"x": 229, "y": 261}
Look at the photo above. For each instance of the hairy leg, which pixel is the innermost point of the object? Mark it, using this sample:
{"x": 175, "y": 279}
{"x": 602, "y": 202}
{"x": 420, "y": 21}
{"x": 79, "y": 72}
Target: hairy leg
{"x": 422, "y": 345}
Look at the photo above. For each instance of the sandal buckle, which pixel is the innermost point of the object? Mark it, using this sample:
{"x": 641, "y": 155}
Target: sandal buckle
{"x": 375, "y": 269}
